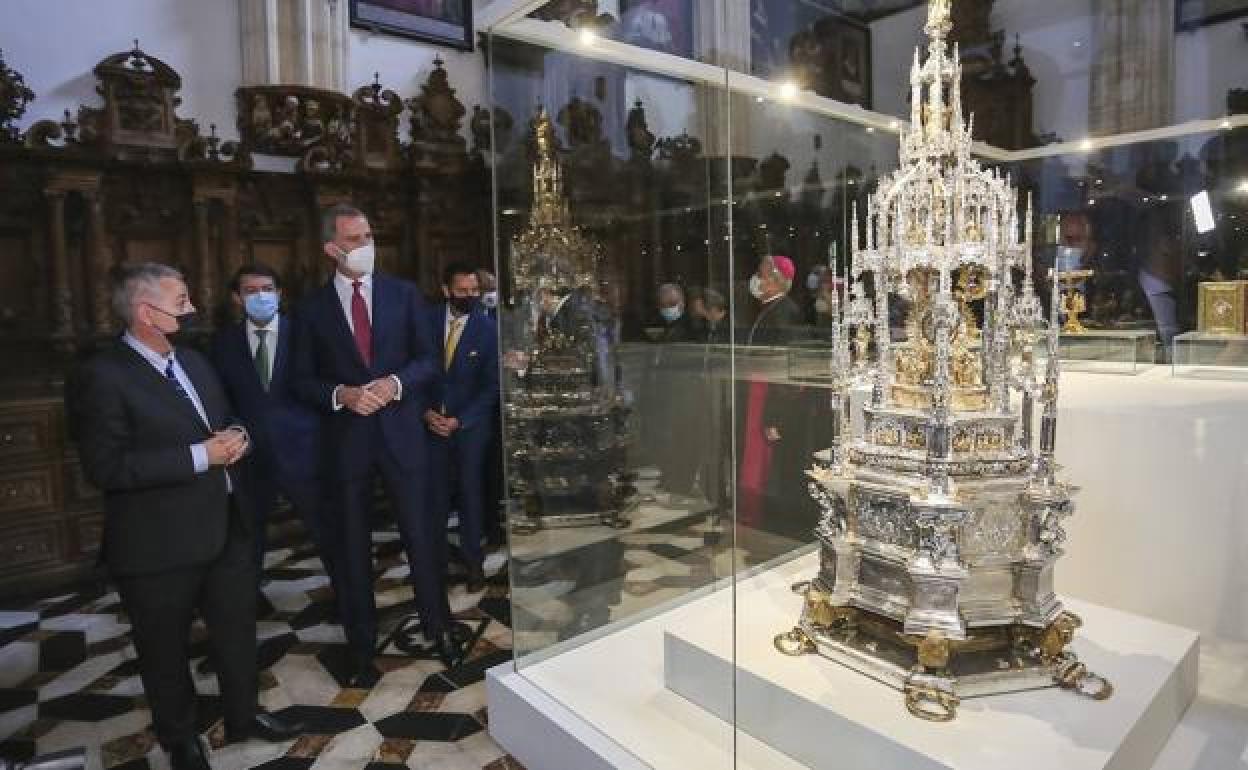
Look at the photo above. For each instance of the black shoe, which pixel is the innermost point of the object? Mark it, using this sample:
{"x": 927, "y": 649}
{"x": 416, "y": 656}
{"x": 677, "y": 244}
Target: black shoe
{"x": 188, "y": 755}
{"x": 364, "y": 675}
{"x": 449, "y": 650}
{"x": 476, "y": 580}
{"x": 267, "y": 727}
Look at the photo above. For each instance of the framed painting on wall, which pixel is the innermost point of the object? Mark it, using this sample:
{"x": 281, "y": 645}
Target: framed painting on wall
{"x": 445, "y": 22}
{"x": 1189, "y": 14}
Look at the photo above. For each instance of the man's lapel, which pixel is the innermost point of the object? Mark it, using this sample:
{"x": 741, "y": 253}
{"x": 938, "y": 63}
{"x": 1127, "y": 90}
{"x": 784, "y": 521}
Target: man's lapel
{"x": 161, "y": 387}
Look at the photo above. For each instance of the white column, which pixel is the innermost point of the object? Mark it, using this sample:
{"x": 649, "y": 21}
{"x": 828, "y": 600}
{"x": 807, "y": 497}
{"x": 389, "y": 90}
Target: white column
{"x": 294, "y": 42}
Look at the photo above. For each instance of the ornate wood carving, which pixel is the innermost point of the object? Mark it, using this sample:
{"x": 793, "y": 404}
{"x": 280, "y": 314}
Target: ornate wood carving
{"x": 437, "y": 115}
{"x": 139, "y": 117}
{"x": 996, "y": 90}
{"x": 377, "y": 111}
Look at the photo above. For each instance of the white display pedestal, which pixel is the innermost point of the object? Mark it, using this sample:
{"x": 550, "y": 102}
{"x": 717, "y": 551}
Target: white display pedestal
{"x": 602, "y": 702}
{"x": 825, "y": 715}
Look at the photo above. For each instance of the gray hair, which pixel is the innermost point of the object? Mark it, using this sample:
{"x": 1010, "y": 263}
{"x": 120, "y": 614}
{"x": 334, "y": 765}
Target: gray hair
{"x": 133, "y": 283}
{"x": 675, "y": 288}
{"x": 330, "y": 217}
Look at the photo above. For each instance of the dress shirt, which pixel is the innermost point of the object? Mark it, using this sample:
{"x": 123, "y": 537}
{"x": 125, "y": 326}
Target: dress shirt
{"x": 253, "y": 339}
{"x": 345, "y": 288}
{"x": 199, "y": 452}
{"x": 450, "y": 319}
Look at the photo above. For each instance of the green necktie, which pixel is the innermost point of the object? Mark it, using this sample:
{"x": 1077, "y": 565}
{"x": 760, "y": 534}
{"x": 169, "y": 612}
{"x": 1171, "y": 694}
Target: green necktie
{"x": 262, "y": 357}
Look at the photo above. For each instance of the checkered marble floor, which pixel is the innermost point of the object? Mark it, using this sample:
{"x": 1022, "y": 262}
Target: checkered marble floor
{"x": 69, "y": 679}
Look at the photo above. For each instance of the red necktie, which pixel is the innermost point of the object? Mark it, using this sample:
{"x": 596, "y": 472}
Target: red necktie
{"x": 360, "y": 325}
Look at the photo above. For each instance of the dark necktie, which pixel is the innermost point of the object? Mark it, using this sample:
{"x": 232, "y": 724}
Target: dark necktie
{"x": 177, "y": 386}
{"x": 360, "y": 325}
{"x": 262, "y": 357}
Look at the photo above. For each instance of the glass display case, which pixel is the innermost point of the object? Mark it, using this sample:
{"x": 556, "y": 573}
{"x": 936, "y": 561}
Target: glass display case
{"x": 807, "y": 443}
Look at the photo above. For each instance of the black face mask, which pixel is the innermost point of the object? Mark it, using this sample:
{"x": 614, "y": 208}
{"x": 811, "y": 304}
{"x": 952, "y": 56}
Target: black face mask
{"x": 185, "y": 320}
{"x": 463, "y": 305}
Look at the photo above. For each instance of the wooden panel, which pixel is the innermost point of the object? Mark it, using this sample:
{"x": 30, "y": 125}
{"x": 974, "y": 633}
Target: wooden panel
{"x": 27, "y": 430}
{"x": 88, "y": 531}
{"x": 29, "y": 547}
{"x": 31, "y": 490}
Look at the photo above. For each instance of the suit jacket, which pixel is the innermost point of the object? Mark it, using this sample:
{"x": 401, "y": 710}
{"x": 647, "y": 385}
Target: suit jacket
{"x": 134, "y": 438}
{"x": 285, "y": 433}
{"x": 469, "y": 389}
{"x": 326, "y": 356}
{"x": 778, "y": 323}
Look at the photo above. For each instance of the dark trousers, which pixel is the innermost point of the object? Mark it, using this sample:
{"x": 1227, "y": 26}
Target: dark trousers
{"x": 161, "y": 608}
{"x": 262, "y": 483}
{"x": 494, "y": 485}
{"x": 457, "y": 469}
{"x": 357, "y": 605}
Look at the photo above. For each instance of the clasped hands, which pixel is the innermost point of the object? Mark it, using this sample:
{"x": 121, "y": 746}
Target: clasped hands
{"x": 441, "y": 425}
{"x": 228, "y": 446}
{"x": 367, "y": 399}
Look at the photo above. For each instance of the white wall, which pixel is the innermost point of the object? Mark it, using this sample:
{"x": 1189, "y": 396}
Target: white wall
{"x": 56, "y": 43}
{"x": 1058, "y": 45}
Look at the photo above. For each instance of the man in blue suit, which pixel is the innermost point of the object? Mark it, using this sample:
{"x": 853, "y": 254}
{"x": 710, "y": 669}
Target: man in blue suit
{"x": 363, "y": 358}
{"x": 463, "y": 405}
{"x": 253, "y": 359}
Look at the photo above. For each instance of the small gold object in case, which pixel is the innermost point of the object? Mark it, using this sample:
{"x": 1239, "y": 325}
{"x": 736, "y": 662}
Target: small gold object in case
{"x": 1222, "y": 307}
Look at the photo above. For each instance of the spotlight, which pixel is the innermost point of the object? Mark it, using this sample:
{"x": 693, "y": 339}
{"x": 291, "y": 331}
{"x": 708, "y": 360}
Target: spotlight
{"x": 1202, "y": 211}
{"x": 588, "y": 37}
{"x": 788, "y": 90}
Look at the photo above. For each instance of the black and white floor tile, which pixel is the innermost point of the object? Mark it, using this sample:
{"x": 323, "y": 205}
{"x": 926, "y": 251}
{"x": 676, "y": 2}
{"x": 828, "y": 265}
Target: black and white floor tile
{"x": 68, "y": 675}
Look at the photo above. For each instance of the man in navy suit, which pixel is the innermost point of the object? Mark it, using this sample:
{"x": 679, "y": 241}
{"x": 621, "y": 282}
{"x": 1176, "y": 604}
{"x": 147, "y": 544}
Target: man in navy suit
{"x": 253, "y": 359}
{"x": 362, "y": 357}
{"x": 463, "y": 405}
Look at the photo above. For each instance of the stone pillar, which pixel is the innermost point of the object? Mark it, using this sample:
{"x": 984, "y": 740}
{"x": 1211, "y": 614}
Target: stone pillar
{"x": 295, "y": 42}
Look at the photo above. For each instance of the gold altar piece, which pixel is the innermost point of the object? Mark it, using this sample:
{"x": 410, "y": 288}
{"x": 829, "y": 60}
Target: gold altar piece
{"x": 1074, "y": 304}
{"x": 1223, "y": 307}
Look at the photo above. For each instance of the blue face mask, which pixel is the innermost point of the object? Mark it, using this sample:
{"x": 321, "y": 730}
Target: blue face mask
{"x": 672, "y": 313}
{"x": 261, "y": 306}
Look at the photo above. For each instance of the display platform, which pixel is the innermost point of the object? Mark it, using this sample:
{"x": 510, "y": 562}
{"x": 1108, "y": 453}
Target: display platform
{"x": 1205, "y": 356}
{"x": 784, "y": 701}
{"x": 583, "y": 702}
{"x": 1109, "y": 351}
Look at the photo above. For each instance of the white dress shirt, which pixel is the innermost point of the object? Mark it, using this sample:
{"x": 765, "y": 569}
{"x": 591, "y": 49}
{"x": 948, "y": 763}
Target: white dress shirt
{"x": 199, "y": 452}
{"x": 346, "y": 292}
{"x": 270, "y": 339}
{"x": 343, "y": 285}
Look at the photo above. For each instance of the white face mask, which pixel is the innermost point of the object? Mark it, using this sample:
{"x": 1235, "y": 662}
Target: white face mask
{"x": 360, "y": 260}
{"x": 812, "y": 281}
{"x": 756, "y": 286}
{"x": 490, "y": 299}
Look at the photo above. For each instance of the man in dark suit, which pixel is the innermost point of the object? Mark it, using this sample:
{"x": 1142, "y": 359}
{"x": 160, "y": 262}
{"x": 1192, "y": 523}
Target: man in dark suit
{"x": 253, "y": 358}
{"x": 154, "y": 436}
{"x": 363, "y": 358}
{"x": 463, "y": 403}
